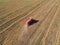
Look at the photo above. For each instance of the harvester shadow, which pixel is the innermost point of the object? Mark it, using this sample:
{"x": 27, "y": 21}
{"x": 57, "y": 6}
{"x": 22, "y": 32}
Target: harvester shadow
{"x": 32, "y": 22}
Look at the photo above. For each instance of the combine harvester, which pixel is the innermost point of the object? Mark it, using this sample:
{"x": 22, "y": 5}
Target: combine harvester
{"x": 31, "y": 21}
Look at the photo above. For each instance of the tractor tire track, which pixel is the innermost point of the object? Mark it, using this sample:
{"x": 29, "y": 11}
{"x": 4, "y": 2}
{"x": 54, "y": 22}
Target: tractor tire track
{"x": 32, "y": 31}
{"x": 18, "y": 17}
{"x": 36, "y": 29}
{"x": 49, "y": 27}
{"x": 3, "y": 34}
{"x": 36, "y": 36}
{"x": 22, "y": 11}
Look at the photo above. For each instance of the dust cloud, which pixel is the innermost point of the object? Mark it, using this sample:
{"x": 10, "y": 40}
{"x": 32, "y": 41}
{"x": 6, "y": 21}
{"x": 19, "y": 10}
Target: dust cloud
{"x": 24, "y": 35}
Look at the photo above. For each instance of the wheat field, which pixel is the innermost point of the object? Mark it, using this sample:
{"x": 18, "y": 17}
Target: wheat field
{"x": 13, "y": 28}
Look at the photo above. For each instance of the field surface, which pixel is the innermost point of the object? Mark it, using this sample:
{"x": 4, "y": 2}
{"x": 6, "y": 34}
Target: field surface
{"x": 15, "y": 31}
